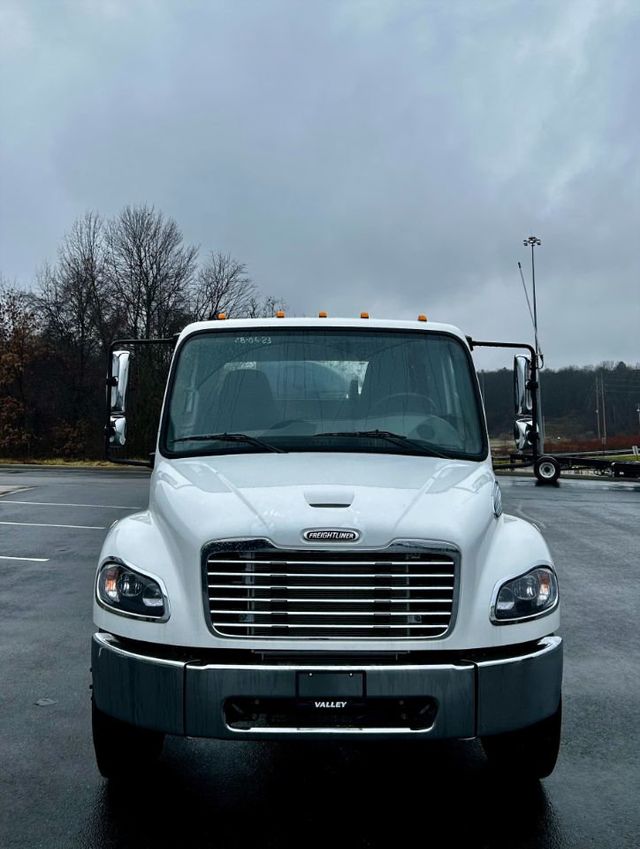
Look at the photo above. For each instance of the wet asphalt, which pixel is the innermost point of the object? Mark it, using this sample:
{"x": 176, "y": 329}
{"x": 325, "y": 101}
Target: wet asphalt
{"x": 221, "y": 794}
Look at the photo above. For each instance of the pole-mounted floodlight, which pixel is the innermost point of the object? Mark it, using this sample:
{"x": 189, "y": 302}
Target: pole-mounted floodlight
{"x": 533, "y": 242}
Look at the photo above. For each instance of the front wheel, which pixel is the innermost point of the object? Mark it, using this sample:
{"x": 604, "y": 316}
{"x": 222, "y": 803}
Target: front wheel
{"x": 123, "y": 750}
{"x": 528, "y": 753}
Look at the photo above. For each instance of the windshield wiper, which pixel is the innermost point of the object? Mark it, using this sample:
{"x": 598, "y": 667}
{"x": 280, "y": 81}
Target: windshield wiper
{"x": 232, "y": 437}
{"x": 389, "y": 436}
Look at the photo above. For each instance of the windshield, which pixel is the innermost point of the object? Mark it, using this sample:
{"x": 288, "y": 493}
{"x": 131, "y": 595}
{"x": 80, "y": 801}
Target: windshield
{"x": 317, "y": 389}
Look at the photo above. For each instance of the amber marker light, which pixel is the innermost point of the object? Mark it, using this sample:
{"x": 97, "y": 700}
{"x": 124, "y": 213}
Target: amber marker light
{"x": 422, "y": 317}
{"x": 280, "y": 314}
{"x": 222, "y": 316}
{"x": 364, "y": 315}
{"x": 322, "y": 314}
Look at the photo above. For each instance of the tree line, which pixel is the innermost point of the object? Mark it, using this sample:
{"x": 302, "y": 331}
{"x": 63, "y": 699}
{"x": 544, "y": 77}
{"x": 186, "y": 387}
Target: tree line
{"x": 130, "y": 276}
{"x": 579, "y": 404}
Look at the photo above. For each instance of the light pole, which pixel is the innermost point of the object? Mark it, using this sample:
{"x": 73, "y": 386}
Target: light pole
{"x": 533, "y": 242}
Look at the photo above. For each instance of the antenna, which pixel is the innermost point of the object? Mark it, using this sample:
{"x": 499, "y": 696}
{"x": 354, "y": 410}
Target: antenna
{"x": 533, "y": 321}
{"x": 526, "y": 294}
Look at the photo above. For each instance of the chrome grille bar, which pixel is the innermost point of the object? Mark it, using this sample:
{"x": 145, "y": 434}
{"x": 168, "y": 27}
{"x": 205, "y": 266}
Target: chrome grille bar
{"x": 373, "y": 613}
{"x": 318, "y": 559}
{"x": 322, "y": 587}
{"x": 294, "y": 600}
{"x": 338, "y": 627}
{"x": 330, "y": 574}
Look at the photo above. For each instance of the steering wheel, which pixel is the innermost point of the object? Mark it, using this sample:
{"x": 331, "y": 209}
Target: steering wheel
{"x": 426, "y": 404}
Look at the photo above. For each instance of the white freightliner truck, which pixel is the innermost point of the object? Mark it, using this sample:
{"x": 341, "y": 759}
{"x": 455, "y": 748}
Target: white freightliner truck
{"x": 324, "y": 554}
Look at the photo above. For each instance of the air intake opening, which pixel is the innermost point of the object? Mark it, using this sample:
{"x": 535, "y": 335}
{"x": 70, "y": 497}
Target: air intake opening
{"x": 412, "y": 714}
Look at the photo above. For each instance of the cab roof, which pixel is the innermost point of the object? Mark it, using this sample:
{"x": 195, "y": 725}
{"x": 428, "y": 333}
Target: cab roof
{"x": 356, "y": 323}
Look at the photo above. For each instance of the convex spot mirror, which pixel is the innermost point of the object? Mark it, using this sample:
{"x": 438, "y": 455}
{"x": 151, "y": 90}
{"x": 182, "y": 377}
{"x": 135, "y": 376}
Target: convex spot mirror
{"x": 523, "y": 434}
{"x": 119, "y": 379}
{"x": 521, "y": 394}
{"x": 118, "y": 430}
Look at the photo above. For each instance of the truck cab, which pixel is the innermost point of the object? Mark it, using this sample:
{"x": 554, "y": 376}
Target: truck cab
{"x": 324, "y": 554}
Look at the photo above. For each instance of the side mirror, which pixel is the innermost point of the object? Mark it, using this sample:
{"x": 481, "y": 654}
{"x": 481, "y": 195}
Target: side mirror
{"x": 521, "y": 394}
{"x": 117, "y": 383}
{"x": 117, "y": 430}
{"x": 119, "y": 380}
{"x": 148, "y": 381}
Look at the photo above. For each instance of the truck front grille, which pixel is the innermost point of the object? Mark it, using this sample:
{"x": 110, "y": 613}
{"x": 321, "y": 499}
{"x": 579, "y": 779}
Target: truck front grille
{"x": 271, "y": 593}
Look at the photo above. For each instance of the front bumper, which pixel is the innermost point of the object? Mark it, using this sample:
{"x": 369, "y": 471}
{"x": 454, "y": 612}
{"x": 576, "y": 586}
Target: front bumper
{"x": 190, "y": 697}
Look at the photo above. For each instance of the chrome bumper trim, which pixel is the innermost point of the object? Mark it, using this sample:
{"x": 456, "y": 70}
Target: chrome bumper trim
{"x": 519, "y": 691}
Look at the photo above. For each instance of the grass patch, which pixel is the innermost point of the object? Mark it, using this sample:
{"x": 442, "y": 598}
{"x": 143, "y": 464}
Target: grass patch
{"x": 56, "y": 461}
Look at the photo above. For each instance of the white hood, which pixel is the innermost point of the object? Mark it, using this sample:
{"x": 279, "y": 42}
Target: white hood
{"x": 389, "y": 497}
{"x": 383, "y": 496}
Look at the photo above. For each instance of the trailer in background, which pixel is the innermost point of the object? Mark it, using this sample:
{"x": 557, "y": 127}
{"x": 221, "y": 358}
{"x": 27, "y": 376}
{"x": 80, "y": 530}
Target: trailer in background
{"x": 547, "y": 468}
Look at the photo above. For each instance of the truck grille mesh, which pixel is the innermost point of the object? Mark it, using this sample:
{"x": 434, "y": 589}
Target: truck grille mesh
{"x": 283, "y": 594}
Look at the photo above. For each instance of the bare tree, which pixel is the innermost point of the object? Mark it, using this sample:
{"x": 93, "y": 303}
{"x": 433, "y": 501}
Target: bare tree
{"x": 19, "y": 350}
{"x": 149, "y": 270}
{"x": 82, "y": 273}
{"x": 73, "y": 298}
{"x": 222, "y": 286}
{"x": 78, "y": 323}
{"x": 265, "y": 308}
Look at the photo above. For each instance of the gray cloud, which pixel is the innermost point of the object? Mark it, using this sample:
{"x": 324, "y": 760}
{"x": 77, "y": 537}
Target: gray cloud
{"x": 376, "y": 155}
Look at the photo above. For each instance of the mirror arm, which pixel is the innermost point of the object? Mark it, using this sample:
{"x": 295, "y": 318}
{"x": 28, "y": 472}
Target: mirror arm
{"x": 475, "y": 343}
{"x": 533, "y": 380}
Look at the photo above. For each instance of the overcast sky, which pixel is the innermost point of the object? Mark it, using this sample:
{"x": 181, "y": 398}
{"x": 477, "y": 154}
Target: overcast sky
{"x": 372, "y": 155}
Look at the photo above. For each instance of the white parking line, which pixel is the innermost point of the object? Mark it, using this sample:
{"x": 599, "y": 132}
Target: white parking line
{"x": 60, "y": 504}
{"x": 520, "y": 512}
{"x": 30, "y": 559}
{"x": 44, "y": 525}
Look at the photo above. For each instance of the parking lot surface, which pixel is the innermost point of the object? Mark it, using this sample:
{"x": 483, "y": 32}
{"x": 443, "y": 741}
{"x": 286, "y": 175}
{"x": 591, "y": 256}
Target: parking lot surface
{"x": 214, "y": 794}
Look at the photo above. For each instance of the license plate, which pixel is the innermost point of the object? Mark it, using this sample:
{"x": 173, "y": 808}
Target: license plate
{"x": 331, "y": 687}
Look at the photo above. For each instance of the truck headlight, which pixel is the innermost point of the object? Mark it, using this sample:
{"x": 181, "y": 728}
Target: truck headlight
{"x": 530, "y": 595}
{"x": 128, "y": 592}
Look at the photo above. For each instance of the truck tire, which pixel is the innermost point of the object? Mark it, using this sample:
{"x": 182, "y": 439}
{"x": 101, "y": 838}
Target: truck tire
{"x": 547, "y": 469}
{"x": 123, "y": 750}
{"x": 529, "y": 753}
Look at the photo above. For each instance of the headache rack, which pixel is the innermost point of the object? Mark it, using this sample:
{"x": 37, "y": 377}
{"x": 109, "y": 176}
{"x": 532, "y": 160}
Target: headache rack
{"x": 254, "y": 590}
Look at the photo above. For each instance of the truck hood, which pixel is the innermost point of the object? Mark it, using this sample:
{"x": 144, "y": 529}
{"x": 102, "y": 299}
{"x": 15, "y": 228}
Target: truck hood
{"x": 279, "y": 496}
